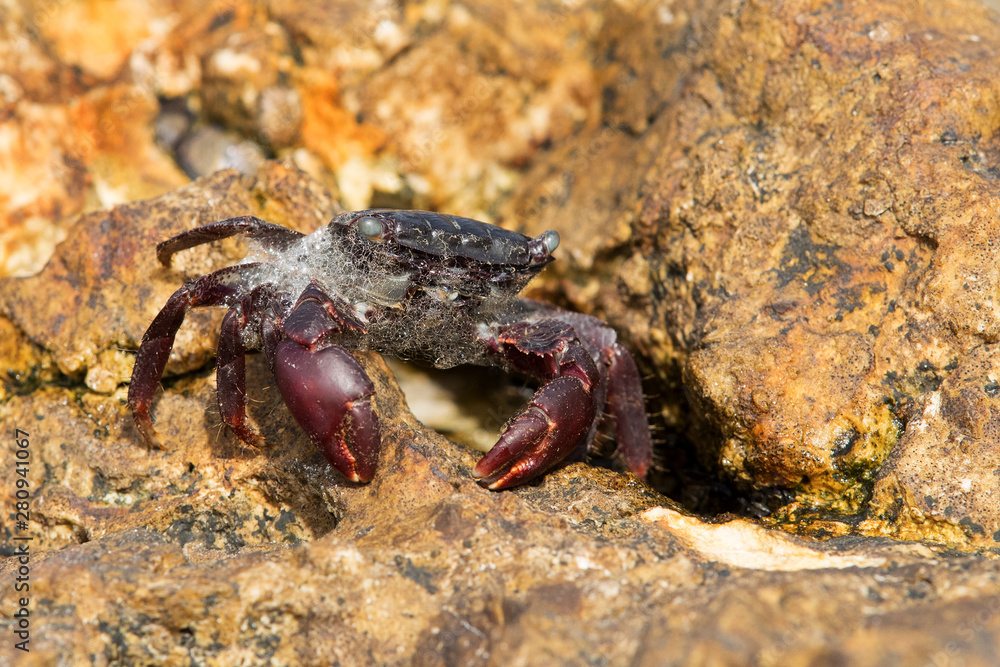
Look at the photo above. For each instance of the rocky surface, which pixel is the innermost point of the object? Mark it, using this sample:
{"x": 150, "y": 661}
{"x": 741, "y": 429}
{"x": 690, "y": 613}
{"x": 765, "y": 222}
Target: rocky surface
{"x": 814, "y": 234}
{"x": 786, "y": 210}
{"x": 76, "y": 136}
{"x": 211, "y": 553}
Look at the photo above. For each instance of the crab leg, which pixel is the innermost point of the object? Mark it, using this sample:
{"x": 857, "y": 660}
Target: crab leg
{"x": 154, "y": 351}
{"x": 231, "y": 377}
{"x": 230, "y": 360}
{"x": 273, "y": 236}
{"x": 635, "y": 444}
{"x": 325, "y": 388}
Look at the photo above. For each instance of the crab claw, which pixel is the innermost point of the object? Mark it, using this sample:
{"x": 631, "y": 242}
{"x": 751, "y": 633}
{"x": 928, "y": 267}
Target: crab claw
{"x": 329, "y": 394}
{"x": 554, "y": 423}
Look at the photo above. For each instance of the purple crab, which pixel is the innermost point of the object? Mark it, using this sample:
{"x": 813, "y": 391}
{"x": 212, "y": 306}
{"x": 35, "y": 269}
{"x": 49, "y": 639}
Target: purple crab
{"x": 417, "y": 285}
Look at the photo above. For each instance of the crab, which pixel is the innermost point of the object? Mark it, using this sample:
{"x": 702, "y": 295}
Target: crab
{"x": 417, "y": 285}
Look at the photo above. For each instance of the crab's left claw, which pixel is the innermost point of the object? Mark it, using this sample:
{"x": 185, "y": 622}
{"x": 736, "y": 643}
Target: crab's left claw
{"x": 329, "y": 394}
{"x": 553, "y": 425}
{"x": 584, "y": 371}
{"x": 560, "y": 417}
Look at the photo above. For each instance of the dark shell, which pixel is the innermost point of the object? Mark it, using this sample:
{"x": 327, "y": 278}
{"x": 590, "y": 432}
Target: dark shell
{"x": 448, "y": 236}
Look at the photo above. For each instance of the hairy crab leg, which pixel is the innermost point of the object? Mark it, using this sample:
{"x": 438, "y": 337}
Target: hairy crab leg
{"x": 230, "y": 373}
{"x": 635, "y": 444}
{"x": 273, "y": 236}
{"x": 324, "y": 386}
{"x": 151, "y": 358}
{"x": 231, "y": 384}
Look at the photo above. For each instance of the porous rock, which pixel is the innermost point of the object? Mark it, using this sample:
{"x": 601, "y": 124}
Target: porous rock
{"x": 210, "y": 552}
{"x": 811, "y": 251}
{"x": 941, "y": 480}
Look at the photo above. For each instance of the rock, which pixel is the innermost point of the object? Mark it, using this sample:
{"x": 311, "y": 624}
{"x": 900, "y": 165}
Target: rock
{"x": 479, "y": 93}
{"x": 835, "y": 263}
{"x": 744, "y": 191}
{"x": 74, "y": 138}
{"x": 98, "y": 39}
{"x": 244, "y": 86}
{"x": 940, "y": 481}
{"x": 425, "y": 567}
{"x": 210, "y": 550}
{"x": 66, "y": 158}
{"x": 209, "y": 149}
{"x": 808, "y": 250}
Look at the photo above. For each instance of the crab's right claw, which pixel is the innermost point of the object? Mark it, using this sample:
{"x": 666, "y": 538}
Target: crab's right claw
{"x": 329, "y": 394}
{"x": 546, "y": 432}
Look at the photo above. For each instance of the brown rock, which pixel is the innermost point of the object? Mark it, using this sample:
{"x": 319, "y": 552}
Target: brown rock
{"x": 209, "y": 550}
{"x": 941, "y": 480}
{"x": 477, "y": 95}
{"x": 98, "y": 38}
{"x": 750, "y": 256}
{"x": 811, "y": 247}
{"x": 69, "y": 145}
{"x": 40, "y": 183}
{"x": 820, "y": 252}
{"x": 244, "y": 85}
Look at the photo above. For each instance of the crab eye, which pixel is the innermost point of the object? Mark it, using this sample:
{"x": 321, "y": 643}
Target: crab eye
{"x": 370, "y": 227}
{"x": 551, "y": 240}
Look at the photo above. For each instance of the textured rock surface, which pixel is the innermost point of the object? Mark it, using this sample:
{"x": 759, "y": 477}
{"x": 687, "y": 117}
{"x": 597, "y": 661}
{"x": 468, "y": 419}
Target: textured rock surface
{"x": 786, "y": 209}
{"x": 211, "y": 552}
{"x": 943, "y": 475}
{"x": 435, "y": 106}
{"x": 816, "y": 241}
{"x": 193, "y": 554}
